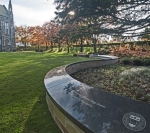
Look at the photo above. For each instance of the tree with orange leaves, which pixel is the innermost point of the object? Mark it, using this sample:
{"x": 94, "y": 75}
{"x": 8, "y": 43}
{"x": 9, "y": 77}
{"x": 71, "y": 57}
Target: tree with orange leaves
{"x": 51, "y": 30}
{"x": 37, "y": 36}
{"x": 23, "y": 34}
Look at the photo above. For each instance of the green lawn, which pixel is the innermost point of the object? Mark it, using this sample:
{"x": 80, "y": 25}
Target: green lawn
{"x": 23, "y": 107}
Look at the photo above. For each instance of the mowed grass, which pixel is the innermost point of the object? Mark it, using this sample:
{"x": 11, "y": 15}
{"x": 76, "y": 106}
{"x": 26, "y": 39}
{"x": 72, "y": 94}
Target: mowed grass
{"x": 23, "y": 107}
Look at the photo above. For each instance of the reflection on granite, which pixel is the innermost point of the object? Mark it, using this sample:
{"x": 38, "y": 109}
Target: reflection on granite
{"x": 56, "y": 76}
{"x": 94, "y": 109}
{"x": 56, "y": 72}
{"x": 103, "y": 56}
{"x": 56, "y": 80}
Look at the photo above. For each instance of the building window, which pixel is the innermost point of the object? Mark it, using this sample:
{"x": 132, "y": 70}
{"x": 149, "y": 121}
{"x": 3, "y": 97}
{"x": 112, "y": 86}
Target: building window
{"x": 6, "y": 42}
{"x": 12, "y": 30}
{"x": 6, "y": 28}
{"x": 2, "y": 25}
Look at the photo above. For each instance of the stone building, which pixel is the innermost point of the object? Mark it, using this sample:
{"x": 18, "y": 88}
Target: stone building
{"x": 7, "y": 30}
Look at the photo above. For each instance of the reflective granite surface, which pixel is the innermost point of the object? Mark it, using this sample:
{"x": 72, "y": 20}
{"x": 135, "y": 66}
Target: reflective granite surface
{"x": 94, "y": 109}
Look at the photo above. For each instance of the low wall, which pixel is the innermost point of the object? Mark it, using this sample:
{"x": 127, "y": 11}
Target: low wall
{"x": 79, "y": 108}
{"x": 72, "y": 68}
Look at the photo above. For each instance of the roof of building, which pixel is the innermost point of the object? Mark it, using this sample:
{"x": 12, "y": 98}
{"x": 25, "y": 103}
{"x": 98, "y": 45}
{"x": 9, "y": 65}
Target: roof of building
{"x": 3, "y": 11}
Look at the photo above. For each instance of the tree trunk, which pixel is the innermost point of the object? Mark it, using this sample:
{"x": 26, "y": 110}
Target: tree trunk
{"x": 25, "y": 46}
{"x": 38, "y": 48}
{"x": 76, "y": 46}
{"x": 81, "y": 45}
{"x": 51, "y": 45}
{"x": 59, "y": 46}
{"x": 46, "y": 45}
{"x": 68, "y": 47}
{"x": 94, "y": 46}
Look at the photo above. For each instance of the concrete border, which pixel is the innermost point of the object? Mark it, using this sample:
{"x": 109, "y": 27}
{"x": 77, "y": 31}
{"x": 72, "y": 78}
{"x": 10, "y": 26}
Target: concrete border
{"x": 79, "y": 108}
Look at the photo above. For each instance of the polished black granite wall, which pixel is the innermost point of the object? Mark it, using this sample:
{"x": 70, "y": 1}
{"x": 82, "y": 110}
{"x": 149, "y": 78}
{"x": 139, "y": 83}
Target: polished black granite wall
{"x": 92, "y": 109}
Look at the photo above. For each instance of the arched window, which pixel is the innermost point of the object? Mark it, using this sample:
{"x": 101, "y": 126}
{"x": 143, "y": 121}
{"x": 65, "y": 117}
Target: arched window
{"x": 6, "y": 42}
{"x": 2, "y": 25}
{"x": 6, "y": 28}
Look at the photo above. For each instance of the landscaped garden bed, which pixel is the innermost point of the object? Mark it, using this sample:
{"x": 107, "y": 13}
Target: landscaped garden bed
{"x": 124, "y": 80}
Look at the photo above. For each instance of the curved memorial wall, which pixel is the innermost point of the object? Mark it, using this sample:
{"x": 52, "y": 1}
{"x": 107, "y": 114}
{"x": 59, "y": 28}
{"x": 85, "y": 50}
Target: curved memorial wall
{"x": 79, "y": 108}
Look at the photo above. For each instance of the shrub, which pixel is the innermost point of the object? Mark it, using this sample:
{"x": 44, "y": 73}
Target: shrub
{"x": 146, "y": 62}
{"x": 74, "y": 55}
{"x": 137, "y": 61}
{"x": 36, "y": 50}
{"x": 40, "y": 50}
{"x": 87, "y": 55}
{"x": 126, "y": 61}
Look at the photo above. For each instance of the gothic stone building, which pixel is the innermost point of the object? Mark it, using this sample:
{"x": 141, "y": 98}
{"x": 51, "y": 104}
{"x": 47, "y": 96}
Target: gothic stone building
{"x": 7, "y": 30}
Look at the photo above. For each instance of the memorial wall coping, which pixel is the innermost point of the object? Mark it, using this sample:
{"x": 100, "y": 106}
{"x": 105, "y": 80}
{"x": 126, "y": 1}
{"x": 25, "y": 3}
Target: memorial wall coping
{"x": 92, "y": 110}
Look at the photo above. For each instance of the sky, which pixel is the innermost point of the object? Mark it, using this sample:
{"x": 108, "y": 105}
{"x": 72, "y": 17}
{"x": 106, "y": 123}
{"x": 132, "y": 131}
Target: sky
{"x": 31, "y": 12}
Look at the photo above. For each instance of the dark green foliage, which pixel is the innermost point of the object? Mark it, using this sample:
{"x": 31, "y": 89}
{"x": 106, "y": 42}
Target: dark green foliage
{"x": 146, "y": 61}
{"x": 39, "y": 50}
{"x": 75, "y": 55}
{"x": 146, "y": 98}
{"x": 137, "y": 61}
{"x": 102, "y": 15}
{"x": 87, "y": 56}
{"x": 126, "y": 61}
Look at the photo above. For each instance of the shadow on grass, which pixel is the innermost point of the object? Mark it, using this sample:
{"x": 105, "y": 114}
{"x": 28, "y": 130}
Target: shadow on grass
{"x": 23, "y": 106}
{"x": 39, "y": 115}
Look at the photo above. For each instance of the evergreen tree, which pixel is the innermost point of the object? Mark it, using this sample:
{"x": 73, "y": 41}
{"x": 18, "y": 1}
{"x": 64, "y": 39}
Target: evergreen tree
{"x": 122, "y": 17}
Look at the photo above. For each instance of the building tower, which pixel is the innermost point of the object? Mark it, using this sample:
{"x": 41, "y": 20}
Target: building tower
{"x": 7, "y": 30}
{"x": 10, "y": 6}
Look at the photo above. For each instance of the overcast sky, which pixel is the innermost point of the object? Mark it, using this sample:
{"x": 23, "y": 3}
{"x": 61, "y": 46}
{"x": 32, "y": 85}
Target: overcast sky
{"x": 31, "y": 12}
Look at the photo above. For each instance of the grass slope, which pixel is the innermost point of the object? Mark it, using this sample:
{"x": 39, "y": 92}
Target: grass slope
{"x": 23, "y": 107}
